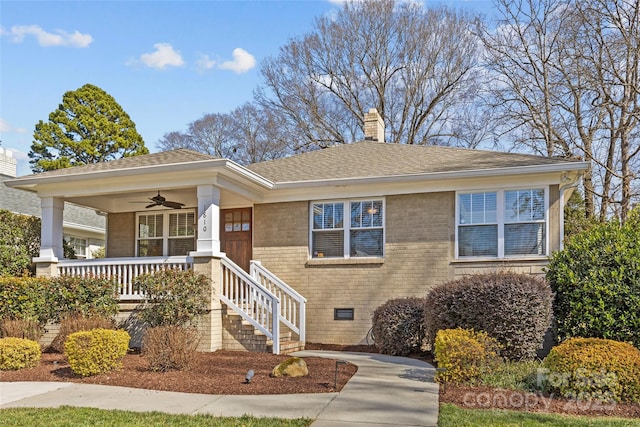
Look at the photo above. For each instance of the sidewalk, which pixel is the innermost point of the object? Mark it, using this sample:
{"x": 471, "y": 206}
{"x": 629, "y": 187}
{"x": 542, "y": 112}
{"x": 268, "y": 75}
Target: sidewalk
{"x": 386, "y": 391}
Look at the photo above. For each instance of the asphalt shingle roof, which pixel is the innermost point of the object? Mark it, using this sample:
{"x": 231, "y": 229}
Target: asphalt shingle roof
{"x": 363, "y": 159}
{"x": 180, "y": 155}
{"x": 374, "y": 159}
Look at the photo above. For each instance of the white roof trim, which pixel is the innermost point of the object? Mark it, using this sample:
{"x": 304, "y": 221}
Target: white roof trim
{"x": 223, "y": 164}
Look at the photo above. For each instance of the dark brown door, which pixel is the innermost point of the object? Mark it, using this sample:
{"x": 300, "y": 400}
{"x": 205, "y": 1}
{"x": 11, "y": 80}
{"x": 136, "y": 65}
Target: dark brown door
{"x": 235, "y": 235}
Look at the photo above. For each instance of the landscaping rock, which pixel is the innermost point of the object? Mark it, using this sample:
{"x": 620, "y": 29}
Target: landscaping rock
{"x": 292, "y": 367}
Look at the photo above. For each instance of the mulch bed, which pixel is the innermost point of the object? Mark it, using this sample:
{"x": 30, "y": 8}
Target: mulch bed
{"x": 223, "y": 372}
{"x": 220, "y": 372}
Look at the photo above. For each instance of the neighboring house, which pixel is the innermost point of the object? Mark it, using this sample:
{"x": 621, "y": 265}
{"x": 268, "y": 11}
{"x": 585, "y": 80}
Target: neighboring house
{"x": 83, "y": 228}
{"x": 348, "y": 227}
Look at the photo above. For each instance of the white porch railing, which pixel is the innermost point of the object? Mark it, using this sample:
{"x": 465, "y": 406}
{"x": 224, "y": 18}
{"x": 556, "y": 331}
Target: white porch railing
{"x": 260, "y": 297}
{"x": 292, "y": 304}
{"x": 122, "y": 270}
{"x": 251, "y": 300}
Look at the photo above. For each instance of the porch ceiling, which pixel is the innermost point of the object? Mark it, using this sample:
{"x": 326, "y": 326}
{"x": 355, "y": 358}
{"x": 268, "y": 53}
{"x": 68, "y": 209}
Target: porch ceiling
{"x": 136, "y": 201}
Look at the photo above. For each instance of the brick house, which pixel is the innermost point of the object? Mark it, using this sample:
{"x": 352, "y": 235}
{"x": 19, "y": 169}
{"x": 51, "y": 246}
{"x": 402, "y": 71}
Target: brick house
{"x": 334, "y": 233}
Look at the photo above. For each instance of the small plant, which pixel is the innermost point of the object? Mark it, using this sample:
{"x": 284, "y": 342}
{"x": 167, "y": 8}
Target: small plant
{"x": 96, "y": 351}
{"x": 21, "y": 328}
{"x": 594, "y": 368}
{"x": 18, "y": 353}
{"x": 173, "y": 297}
{"x": 76, "y": 323}
{"x": 515, "y": 309}
{"x": 463, "y": 355}
{"x": 170, "y": 347}
{"x": 398, "y": 326}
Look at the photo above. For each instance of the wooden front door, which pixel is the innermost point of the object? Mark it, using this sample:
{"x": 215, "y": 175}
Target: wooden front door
{"x": 235, "y": 235}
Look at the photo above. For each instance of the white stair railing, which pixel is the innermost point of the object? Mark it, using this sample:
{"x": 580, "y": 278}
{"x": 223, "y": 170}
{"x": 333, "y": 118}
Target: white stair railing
{"x": 251, "y": 300}
{"x": 122, "y": 270}
{"x": 292, "y": 304}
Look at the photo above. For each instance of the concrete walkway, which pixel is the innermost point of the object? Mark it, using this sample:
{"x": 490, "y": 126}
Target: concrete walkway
{"x": 386, "y": 391}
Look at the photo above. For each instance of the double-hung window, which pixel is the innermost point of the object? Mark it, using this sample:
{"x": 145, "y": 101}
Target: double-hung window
{"x": 502, "y": 223}
{"x": 360, "y": 234}
{"x": 166, "y": 234}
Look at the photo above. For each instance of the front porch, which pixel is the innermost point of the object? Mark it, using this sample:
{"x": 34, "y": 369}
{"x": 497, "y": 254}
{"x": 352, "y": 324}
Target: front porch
{"x": 252, "y": 310}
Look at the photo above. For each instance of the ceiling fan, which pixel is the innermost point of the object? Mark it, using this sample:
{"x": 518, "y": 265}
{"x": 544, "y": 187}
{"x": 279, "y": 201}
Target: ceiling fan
{"x": 161, "y": 201}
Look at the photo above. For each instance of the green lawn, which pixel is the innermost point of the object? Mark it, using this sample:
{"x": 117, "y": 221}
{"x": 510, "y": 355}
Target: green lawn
{"x": 71, "y": 417}
{"x": 453, "y": 416}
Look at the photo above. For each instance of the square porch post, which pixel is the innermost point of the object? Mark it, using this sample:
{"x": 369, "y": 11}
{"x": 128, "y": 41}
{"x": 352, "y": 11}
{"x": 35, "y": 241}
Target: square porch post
{"x": 206, "y": 260}
{"x": 50, "y": 237}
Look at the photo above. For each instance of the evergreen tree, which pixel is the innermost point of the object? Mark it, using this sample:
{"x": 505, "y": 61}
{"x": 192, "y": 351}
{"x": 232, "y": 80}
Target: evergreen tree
{"x": 88, "y": 127}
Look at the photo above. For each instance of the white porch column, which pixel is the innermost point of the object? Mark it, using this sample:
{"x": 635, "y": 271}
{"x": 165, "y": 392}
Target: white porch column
{"x": 51, "y": 231}
{"x": 208, "y": 243}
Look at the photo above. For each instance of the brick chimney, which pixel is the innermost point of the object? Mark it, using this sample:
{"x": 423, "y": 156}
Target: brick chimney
{"x": 8, "y": 165}
{"x": 373, "y": 126}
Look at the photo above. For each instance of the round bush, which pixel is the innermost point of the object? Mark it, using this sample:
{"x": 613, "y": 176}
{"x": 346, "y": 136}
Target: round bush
{"x": 174, "y": 297}
{"x": 96, "y": 351}
{"x": 462, "y": 354}
{"x": 18, "y": 353}
{"x": 515, "y": 309}
{"x": 76, "y": 323}
{"x": 398, "y": 326}
{"x": 596, "y": 279}
{"x": 594, "y": 368}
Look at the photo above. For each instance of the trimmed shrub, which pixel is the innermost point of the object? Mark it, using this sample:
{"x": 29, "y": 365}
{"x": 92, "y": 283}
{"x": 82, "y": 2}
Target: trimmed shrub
{"x": 21, "y": 328}
{"x": 463, "y": 354}
{"x": 170, "y": 347}
{"x": 398, "y": 326}
{"x": 19, "y": 243}
{"x": 173, "y": 297}
{"x": 24, "y": 298}
{"x": 515, "y": 309}
{"x": 75, "y": 323}
{"x": 96, "y": 351}
{"x": 87, "y": 296}
{"x": 594, "y": 368}
{"x": 18, "y": 353}
{"x": 596, "y": 279}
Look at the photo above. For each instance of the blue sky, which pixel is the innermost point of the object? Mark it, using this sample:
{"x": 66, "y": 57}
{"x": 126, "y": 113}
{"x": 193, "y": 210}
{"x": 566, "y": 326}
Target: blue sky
{"x": 166, "y": 63}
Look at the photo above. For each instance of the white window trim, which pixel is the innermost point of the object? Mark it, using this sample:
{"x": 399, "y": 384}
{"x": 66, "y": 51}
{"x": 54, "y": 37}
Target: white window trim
{"x": 346, "y": 229}
{"x": 165, "y": 229}
{"x": 500, "y": 194}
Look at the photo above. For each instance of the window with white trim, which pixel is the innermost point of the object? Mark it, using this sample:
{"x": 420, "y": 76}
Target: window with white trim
{"x": 361, "y": 235}
{"x": 78, "y": 244}
{"x": 166, "y": 234}
{"x": 503, "y": 223}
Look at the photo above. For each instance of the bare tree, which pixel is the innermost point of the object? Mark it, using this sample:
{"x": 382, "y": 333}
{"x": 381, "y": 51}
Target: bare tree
{"x": 246, "y": 135}
{"x": 416, "y": 66}
{"x": 211, "y": 134}
{"x": 259, "y": 134}
{"x": 566, "y": 84}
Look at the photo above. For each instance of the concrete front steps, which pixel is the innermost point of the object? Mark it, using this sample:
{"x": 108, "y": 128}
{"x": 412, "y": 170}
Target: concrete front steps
{"x": 240, "y": 335}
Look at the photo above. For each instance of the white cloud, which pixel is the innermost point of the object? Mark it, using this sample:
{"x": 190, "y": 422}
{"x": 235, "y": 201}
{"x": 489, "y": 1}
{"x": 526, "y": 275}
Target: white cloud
{"x": 46, "y": 39}
{"x": 5, "y": 127}
{"x": 242, "y": 62}
{"x": 205, "y": 63}
{"x": 164, "y": 56}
